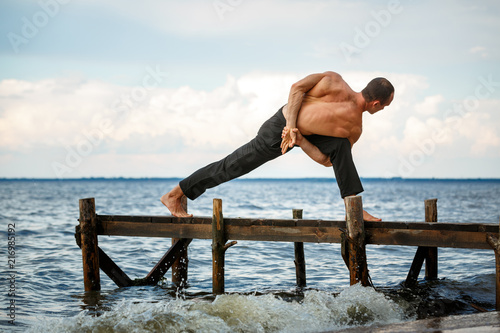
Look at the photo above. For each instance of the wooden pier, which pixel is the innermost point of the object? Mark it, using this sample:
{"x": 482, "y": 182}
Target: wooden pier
{"x": 354, "y": 234}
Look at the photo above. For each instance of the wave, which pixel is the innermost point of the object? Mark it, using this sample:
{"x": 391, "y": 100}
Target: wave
{"x": 318, "y": 311}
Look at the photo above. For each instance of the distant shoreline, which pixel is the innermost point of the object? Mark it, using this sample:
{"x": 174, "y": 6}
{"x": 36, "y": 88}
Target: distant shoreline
{"x": 368, "y": 179}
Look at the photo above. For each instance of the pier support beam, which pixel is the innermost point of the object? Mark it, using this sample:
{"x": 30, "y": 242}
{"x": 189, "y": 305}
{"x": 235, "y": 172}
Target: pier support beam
{"x": 494, "y": 242}
{"x": 218, "y": 241}
{"x": 90, "y": 252}
{"x": 358, "y": 268}
{"x": 219, "y": 248}
{"x": 424, "y": 253}
{"x": 180, "y": 266}
{"x": 431, "y": 258}
{"x": 300, "y": 262}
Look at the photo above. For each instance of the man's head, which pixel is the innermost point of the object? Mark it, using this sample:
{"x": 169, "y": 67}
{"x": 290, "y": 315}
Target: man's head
{"x": 378, "y": 94}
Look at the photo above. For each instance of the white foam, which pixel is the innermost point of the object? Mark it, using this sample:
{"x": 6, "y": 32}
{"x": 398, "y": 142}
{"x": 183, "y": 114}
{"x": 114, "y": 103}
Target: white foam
{"x": 318, "y": 311}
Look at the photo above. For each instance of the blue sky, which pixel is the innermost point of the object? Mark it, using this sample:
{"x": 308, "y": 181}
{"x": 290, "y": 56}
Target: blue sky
{"x": 159, "y": 88}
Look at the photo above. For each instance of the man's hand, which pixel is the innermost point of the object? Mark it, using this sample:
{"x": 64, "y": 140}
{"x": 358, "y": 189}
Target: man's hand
{"x": 289, "y": 138}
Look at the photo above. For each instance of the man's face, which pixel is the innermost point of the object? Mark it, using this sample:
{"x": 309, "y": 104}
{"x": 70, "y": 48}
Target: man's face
{"x": 376, "y": 106}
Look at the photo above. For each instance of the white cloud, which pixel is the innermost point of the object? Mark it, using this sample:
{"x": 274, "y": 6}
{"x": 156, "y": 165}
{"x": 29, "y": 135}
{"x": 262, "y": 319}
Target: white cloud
{"x": 480, "y": 50}
{"x": 49, "y": 112}
{"x": 193, "y": 127}
{"x": 430, "y": 105}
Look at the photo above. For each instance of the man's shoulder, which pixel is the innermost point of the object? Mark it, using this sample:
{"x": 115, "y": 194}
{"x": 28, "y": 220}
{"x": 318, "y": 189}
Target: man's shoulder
{"x": 333, "y": 75}
{"x": 332, "y": 79}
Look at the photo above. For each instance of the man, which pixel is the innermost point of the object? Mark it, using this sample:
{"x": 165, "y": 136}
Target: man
{"x": 323, "y": 116}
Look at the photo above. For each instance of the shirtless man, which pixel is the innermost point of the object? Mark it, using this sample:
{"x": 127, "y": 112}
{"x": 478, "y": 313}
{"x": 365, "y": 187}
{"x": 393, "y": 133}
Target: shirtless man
{"x": 328, "y": 106}
{"x": 323, "y": 116}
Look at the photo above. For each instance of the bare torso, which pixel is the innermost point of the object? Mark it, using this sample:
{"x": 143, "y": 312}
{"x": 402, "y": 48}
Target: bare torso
{"x": 330, "y": 108}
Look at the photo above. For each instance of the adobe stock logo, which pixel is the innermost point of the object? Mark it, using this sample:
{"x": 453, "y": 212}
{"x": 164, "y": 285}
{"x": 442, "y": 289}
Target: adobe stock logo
{"x": 31, "y": 27}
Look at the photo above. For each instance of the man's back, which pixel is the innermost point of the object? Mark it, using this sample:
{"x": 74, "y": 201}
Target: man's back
{"x": 331, "y": 108}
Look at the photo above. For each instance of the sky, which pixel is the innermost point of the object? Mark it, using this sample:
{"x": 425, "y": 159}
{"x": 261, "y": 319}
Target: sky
{"x": 119, "y": 88}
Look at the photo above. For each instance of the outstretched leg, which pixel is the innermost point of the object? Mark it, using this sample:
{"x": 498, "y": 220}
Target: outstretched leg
{"x": 173, "y": 201}
{"x": 263, "y": 148}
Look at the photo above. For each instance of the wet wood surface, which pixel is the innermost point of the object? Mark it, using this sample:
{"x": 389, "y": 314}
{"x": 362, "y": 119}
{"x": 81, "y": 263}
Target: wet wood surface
{"x": 442, "y": 234}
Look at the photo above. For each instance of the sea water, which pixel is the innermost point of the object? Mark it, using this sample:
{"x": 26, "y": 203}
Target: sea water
{"x": 42, "y": 277}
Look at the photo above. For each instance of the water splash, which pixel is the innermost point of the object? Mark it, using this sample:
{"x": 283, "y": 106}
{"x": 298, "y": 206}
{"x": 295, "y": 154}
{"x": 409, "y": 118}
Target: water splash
{"x": 318, "y": 311}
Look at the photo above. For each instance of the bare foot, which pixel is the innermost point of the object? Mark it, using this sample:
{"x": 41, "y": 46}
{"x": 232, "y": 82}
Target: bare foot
{"x": 172, "y": 200}
{"x": 368, "y": 217}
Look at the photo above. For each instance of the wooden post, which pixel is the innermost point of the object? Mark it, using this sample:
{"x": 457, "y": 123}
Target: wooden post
{"x": 358, "y": 268}
{"x": 429, "y": 254}
{"x": 494, "y": 242}
{"x": 107, "y": 265}
{"x": 300, "y": 262}
{"x": 431, "y": 258}
{"x": 180, "y": 266}
{"x": 218, "y": 242}
{"x": 90, "y": 252}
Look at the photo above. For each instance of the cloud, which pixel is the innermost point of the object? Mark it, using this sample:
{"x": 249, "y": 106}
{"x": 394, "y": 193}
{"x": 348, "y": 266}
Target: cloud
{"x": 102, "y": 122}
{"x": 49, "y": 112}
{"x": 430, "y": 105}
{"x": 480, "y": 50}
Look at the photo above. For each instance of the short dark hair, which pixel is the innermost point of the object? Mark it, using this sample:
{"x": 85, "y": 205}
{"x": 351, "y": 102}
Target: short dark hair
{"x": 378, "y": 89}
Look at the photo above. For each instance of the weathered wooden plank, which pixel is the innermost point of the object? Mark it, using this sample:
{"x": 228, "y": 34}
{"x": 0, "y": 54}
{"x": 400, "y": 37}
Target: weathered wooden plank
{"x": 167, "y": 230}
{"x": 284, "y": 234}
{"x": 451, "y": 226}
{"x": 439, "y": 238}
{"x": 459, "y": 226}
{"x": 112, "y": 270}
{"x": 449, "y": 236}
{"x": 416, "y": 266}
{"x": 125, "y": 218}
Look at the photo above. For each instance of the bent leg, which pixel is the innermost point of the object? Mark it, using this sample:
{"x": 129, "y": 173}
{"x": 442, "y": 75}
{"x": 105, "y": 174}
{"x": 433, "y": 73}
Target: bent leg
{"x": 340, "y": 153}
{"x": 339, "y": 150}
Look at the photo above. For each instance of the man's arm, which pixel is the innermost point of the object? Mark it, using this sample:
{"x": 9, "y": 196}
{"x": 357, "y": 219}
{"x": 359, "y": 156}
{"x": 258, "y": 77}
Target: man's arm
{"x": 311, "y": 150}
{"x": 295, "y": 98}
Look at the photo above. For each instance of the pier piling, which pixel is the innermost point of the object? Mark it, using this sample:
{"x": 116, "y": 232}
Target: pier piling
{"x": 180, "y": 265}
{"x": 88, "y": 239}
{"x": 494, "y": 242}
{"x": 431, "y": 258}
{"x": 358, "y": 268}
{"x": 218, "y": 242}
{"x": 219, "y": 248}
{"x": 425, "y": 253}
{"x": 300, "y": 261}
